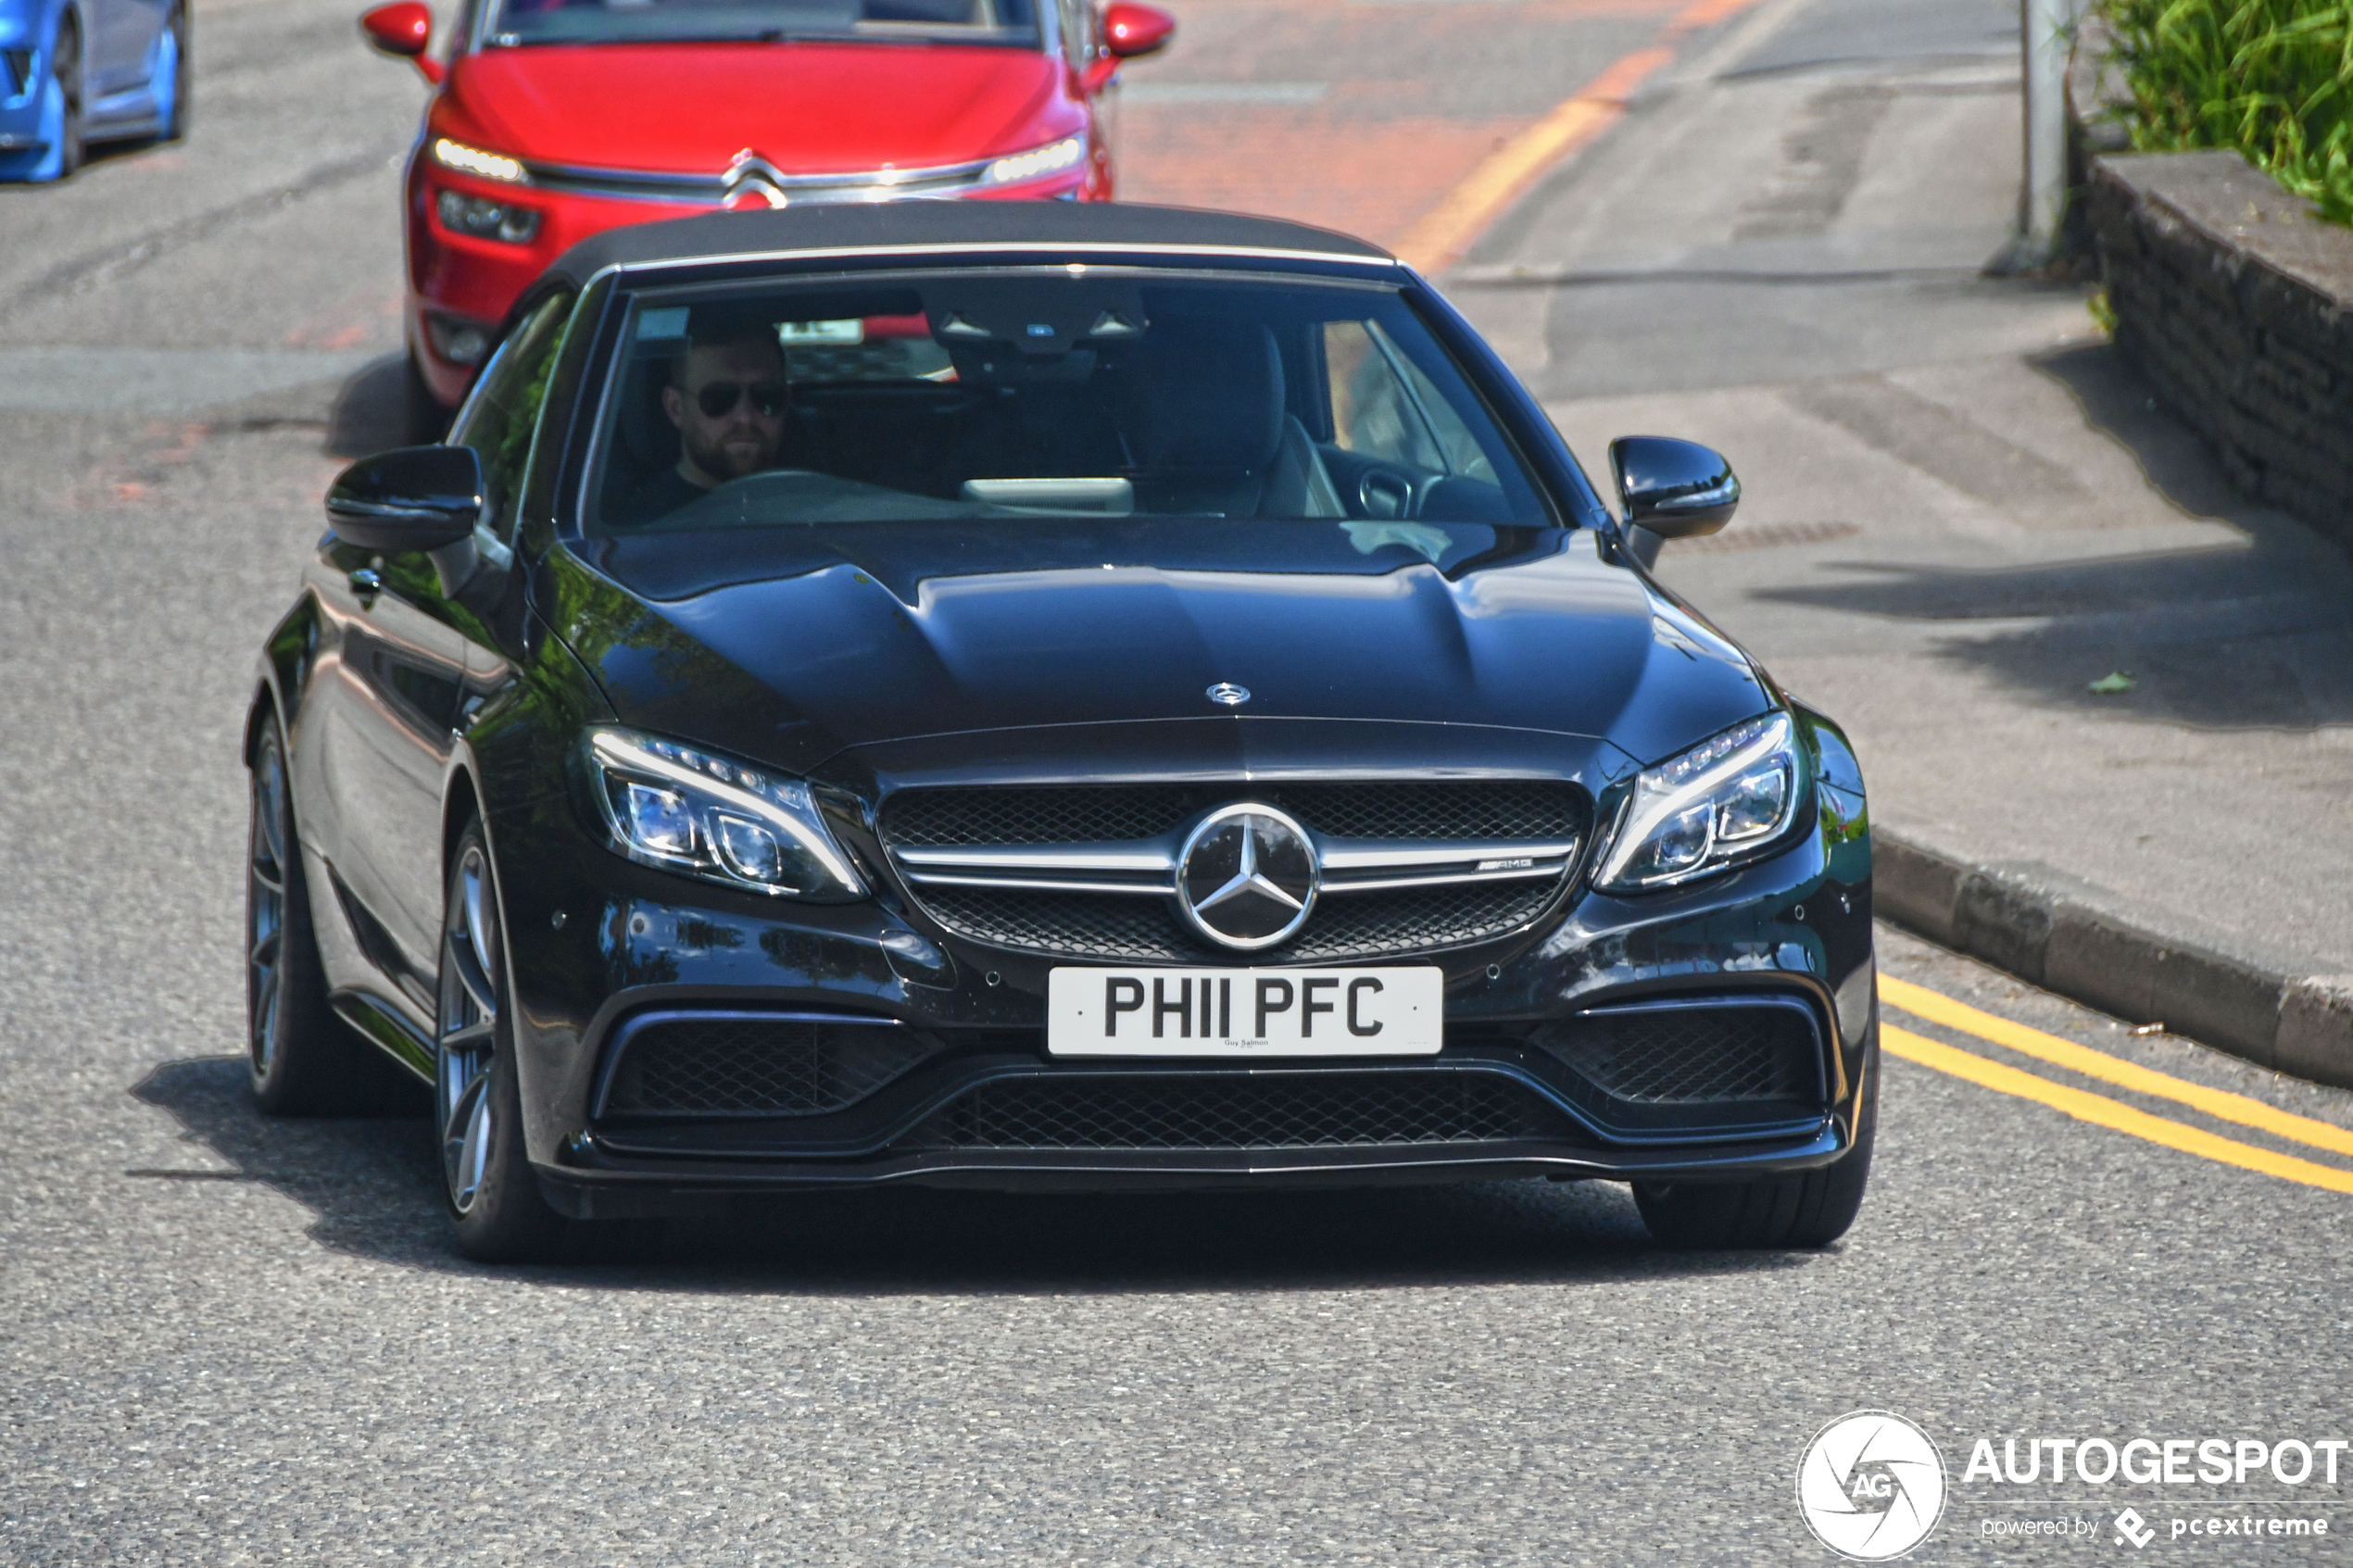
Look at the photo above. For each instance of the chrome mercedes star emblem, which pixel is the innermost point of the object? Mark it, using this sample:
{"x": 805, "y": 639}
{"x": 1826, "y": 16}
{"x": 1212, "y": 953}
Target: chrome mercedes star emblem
{"x": 1247, "y": 877}
{"x": 1230, "y": 695}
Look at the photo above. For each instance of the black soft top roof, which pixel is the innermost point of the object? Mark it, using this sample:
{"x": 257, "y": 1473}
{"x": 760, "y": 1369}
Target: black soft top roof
{"x": 891, "y": 225}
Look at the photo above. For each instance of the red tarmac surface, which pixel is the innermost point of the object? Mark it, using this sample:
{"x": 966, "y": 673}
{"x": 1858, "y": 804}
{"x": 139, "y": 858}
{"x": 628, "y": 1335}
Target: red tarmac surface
{"x": 1414, "y": 94}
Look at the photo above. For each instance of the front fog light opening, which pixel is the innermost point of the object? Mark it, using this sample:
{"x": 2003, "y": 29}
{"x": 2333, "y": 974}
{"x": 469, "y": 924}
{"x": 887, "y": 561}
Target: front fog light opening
{"x": 456, "y": 341}
{"x": 1705, "y": 811}
{"x": 688, "y": 810}
{"x": 483, "y": 218}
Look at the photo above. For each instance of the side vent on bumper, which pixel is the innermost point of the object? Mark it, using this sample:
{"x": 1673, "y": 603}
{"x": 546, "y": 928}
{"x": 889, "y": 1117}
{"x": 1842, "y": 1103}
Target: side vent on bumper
{"x": 713, "y": 1063}
{"x": 1694, "y": 1064}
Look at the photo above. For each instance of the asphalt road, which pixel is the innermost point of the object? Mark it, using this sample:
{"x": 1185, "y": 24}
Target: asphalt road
{"x": 226, "y": 1340}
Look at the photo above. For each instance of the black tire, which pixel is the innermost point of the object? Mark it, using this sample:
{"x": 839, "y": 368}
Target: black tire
{"x": 424, "y": 419}
{"x": 301, "y": 1059}
{"x": 66, "y": 65}
{"x": 175, "y": 127}
{"x": 1808, "y": 1208}
{"x": 493, "y": 1198}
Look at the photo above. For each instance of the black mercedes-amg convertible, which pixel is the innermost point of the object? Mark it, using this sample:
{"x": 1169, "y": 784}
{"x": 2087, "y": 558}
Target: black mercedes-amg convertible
{"x": 1034, "y": 696}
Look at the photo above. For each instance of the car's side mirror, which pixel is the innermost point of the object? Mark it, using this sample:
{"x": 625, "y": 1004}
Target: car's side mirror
{"x": 416, "y": 498}
{"x": 1671, "y": 489}
{"x": 419, "y": 498}
{"x": 402, "y": 30}
{"x": 1131, "y": 31}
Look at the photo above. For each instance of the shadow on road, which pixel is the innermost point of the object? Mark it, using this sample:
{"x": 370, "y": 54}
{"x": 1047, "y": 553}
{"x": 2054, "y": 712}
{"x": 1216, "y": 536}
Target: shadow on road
{"x": 373, "y": 1188}
{"x": 370, "y": 411}
{"x": 2236, "y": 636}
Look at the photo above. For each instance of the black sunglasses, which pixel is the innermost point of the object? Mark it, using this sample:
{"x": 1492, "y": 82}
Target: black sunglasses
{"x": 718, "y": 400}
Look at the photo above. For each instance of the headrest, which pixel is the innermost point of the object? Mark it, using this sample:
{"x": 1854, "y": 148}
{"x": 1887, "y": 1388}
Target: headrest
{"x": 1203, "y": 395}
{"x": 647, "y": 437}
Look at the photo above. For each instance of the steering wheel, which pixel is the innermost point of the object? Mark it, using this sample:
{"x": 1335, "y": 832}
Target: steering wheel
{"x": 1385, "y": 493}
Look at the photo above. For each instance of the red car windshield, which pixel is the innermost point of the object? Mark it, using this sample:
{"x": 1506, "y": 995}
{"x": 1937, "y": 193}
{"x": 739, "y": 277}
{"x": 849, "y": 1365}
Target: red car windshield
{"x": 1012, "y": 22}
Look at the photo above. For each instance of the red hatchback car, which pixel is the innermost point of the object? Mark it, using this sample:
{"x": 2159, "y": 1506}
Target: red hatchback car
{"x": 556, "y": 118}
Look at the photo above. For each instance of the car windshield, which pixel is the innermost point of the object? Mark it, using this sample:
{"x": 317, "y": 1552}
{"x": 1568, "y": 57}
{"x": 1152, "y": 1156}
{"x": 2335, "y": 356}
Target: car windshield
{"x": 1073, "y": 391}
{"x": 638, "y": 21}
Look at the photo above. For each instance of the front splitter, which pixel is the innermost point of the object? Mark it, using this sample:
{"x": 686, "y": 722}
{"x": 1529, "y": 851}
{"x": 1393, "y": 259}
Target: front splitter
{"x": 595, "y": 1185}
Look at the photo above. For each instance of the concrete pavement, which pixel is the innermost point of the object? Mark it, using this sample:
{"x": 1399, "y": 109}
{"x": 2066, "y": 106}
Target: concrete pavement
{"x": 1961, "y": 510}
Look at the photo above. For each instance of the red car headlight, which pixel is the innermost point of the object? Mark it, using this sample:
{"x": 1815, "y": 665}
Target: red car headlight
{"x": 1038, "y": 162}
{"x": 486, "y": 219}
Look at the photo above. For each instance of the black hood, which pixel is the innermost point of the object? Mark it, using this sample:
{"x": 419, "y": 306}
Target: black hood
{"x": 795, "y": 645}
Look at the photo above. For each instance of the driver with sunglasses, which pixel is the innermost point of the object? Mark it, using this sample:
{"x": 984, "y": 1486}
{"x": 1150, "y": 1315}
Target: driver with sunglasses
{"x": 727, "y": 399}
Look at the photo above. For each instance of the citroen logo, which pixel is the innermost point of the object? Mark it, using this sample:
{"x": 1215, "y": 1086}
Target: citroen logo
{"x": 751, "y": 178}
{"x": 1247, "y": 877}
{"x": 1228, "y": 695}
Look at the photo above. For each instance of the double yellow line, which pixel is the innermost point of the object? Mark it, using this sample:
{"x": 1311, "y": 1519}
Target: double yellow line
{"x": 2100, "y": 1111}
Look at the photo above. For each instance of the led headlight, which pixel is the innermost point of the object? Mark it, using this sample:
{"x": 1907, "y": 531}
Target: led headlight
{"x": 1717, "y": 804}
{"x": 473, "y": 160}
{"x": 1051, "y": 159}
{"x": 687, "y": 810}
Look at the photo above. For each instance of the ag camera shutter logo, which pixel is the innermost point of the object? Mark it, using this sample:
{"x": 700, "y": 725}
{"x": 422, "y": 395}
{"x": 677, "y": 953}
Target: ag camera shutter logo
{"x": 1872, "y": 1486}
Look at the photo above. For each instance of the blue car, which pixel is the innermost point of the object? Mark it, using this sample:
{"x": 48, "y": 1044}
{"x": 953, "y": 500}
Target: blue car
{"x": 74, "y": 72}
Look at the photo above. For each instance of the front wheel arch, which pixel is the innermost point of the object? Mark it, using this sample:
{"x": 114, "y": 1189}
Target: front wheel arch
{"x": 264, "y": 708}
{"x": 462, "y": 806}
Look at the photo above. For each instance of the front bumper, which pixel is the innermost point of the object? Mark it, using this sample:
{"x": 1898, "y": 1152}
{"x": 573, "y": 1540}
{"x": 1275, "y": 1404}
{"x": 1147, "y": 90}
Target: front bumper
{"x": 597, "y": 1188}
{"x": 462, "y": 286}
{"x": 1791, "y": 932}
{"x": 30, "y": 120}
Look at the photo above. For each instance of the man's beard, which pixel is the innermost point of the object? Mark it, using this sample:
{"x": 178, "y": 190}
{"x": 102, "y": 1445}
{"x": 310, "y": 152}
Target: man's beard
{"x": 717, "y": 460}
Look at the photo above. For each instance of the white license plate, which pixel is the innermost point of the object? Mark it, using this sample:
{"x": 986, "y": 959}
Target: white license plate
{"x": 1245, "y": 1013}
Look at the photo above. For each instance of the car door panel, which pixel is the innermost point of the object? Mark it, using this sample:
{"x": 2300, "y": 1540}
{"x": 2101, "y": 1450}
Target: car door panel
{"x": 388, "y": 705}
{"x": 124, "y": 32}
{"x": 399, "y": 693}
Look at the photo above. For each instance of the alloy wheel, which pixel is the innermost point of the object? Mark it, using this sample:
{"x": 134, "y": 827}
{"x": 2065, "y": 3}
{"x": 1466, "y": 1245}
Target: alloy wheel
{"x": 266, "y": 909}
{"x": 469, "y": 1031}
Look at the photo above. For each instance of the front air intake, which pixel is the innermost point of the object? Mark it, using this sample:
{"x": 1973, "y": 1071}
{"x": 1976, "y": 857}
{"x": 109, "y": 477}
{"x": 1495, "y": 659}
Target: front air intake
{"x": 1322, "y": 1108}
{"x": 1698, "y": 1063}
{"x": 711, "y": 1064}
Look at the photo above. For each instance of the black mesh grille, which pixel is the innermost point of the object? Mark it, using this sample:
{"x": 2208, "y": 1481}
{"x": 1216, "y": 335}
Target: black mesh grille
{"x": 758, "y": 1066}
{"x": 1445, "y": 808}
{"x": 1037, "y": 816}
{"x": 1693, "y": 1055}
{"x": 1318, "y": 1111}
{"x": 1436, "y": 808}
{"x": 1343, "y": 925}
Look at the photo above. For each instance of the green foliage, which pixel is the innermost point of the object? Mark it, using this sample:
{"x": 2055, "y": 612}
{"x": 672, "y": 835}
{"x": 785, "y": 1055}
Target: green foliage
{"x": 2271, "y": 78}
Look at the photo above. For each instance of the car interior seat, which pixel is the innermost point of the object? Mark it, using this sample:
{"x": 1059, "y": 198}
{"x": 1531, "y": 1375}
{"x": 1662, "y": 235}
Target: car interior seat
{"x": 645, "y": 442}
{"x": 1204, "y": 408}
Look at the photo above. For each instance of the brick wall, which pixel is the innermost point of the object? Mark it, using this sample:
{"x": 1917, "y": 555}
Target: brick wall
{"x": 2238, "y": 306}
